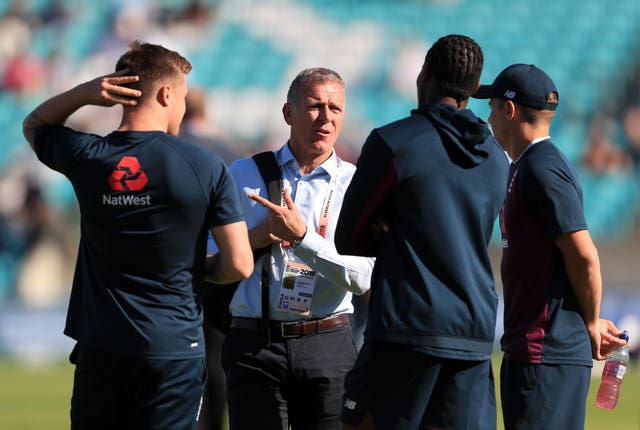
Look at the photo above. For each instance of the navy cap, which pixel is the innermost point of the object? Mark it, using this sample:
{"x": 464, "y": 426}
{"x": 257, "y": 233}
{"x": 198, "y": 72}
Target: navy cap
{"x": 524, "y": 84}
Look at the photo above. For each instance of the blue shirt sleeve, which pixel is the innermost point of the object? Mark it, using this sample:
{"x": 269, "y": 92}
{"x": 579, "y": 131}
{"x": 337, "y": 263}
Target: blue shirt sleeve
{"x": 551, "y": 189}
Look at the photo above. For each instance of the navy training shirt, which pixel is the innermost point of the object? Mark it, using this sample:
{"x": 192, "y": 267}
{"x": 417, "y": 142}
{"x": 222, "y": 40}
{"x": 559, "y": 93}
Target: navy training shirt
{"x": 542, "y": 319}
{"x": 147, "y": 200}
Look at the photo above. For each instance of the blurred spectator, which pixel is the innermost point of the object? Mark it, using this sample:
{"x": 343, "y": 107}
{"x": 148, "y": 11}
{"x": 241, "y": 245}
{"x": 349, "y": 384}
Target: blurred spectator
{"x": 196, "y": 13}
{"x": 36, "y": 255}
{"x": 15, "y": 34}
{"x": 196, "y": 128}
{"x": 601, "y": 155}
{"x": 631, "y": 124}
{"x": 24, "y": 74}
{"x": 630, "y": 115}
{"x": 22, "y": 70}
{"x": 46, "y": 270}
{"x": 13, "y": 242}
{"x": 190, "y": 22}
{"x": 55, "y": 13}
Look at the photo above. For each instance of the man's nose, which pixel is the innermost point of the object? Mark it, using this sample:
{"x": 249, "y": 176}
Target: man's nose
{"x": 326, "y": 114}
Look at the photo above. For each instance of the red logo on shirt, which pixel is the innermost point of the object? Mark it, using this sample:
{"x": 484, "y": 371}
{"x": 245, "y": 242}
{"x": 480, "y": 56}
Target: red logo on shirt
{"x": 128, "y": 176}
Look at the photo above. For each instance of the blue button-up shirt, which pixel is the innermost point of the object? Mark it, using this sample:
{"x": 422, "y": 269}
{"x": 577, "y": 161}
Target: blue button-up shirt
{"x": 339, "y": 275}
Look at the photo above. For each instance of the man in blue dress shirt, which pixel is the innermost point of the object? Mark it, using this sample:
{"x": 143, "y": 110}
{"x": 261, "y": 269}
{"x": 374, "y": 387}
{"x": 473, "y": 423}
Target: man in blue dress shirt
{"x": 290, "y": 369}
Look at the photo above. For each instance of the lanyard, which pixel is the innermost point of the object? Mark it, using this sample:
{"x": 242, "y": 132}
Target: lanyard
{"x": 326, "y": 206}
{"x": 323, "y": 223}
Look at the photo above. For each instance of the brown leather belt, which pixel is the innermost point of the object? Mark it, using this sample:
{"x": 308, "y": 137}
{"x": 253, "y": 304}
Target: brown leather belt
{"x": 286, "y": 329}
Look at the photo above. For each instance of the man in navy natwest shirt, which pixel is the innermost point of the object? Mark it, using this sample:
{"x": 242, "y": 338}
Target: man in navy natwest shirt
{"x": 147, "y": 200}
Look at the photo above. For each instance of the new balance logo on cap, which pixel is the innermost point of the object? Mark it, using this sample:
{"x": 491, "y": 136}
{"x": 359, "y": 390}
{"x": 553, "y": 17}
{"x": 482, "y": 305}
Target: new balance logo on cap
{"x": 350, "y": 404}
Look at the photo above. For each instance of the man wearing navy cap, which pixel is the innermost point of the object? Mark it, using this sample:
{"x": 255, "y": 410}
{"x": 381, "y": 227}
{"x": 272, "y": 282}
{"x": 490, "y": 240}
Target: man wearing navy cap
{"x": 550, "y": 266}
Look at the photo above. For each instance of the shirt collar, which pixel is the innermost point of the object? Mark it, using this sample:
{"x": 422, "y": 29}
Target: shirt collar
{"x": 330, "y": 165}
{"x": 530, "y": 145}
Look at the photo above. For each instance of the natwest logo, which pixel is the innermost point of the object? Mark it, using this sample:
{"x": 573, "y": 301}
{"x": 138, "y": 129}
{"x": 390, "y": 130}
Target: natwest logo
{"x": 128, "y": 176}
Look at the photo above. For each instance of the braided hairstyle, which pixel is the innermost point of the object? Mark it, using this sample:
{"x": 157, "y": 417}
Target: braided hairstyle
{"x": 456, "y": 63}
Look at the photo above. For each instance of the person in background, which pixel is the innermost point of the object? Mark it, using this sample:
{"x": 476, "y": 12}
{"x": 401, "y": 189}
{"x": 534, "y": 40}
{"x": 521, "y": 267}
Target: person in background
{"x": 435, "y": 181}
{"x": 285, "y": 365}
{"x": 147, "y": 200}
{"x": 550, "y": 267}
{"x": 195, "y": 129}
{"x": 600, "y": 154}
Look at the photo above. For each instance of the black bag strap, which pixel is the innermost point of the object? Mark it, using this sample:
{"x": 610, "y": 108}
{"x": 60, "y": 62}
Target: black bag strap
{"x": 270, "y": 172}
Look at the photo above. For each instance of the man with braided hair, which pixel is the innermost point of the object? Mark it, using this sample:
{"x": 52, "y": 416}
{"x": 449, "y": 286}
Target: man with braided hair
{"x": 437, "y": 180}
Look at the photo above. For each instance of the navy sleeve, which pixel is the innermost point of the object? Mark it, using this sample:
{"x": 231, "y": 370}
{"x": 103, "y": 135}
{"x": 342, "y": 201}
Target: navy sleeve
{"x": 372, "y": 182}
{"x": 225, "y": 208}
{"x": 554, "y": 195}
{"x": 57, "y": 146}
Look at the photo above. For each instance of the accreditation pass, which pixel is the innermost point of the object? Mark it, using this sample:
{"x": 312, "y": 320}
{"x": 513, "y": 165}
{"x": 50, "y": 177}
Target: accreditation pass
{"x": 296, "y": 291}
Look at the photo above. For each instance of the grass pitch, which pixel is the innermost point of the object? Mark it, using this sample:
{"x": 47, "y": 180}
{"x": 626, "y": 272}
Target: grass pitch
{"x": 37, "y": 398}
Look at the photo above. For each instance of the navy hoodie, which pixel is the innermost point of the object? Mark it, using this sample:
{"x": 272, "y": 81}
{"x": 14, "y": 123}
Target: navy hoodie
{"x": 438, "y": 178}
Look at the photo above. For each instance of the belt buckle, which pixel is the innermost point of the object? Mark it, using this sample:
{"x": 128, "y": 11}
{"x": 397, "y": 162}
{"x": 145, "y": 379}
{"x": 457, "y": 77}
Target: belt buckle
{"x": 282, "y": 333}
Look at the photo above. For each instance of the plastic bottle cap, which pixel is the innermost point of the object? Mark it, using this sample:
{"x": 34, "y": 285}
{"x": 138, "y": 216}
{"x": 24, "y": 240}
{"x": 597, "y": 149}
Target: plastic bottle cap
{"x": 624, "y": 336}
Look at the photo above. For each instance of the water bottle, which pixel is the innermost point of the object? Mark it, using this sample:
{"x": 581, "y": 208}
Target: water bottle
{"x": 615, "y": 367}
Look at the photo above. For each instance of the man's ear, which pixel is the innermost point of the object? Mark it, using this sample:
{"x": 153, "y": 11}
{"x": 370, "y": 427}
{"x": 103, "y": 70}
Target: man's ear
{"x": 163, "y": 95}
{"x": 510, "y": 109}
{"x": 287, "y": 111}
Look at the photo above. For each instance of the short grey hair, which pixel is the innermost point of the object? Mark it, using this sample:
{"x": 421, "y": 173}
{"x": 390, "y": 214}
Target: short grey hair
{"x": 316, "y": 74}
